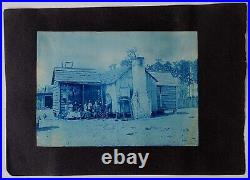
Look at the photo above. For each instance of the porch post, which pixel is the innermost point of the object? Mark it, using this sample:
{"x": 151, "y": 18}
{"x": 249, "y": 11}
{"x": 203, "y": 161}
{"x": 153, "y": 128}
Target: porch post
{"x": 82, "y": 96}
{"x": 102, "y": 95}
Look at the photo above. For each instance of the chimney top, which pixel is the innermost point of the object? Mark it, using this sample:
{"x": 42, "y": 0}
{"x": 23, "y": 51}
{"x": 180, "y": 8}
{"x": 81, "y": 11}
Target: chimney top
{"x": 139, "y": 61}
{"x": 67, "y": 64}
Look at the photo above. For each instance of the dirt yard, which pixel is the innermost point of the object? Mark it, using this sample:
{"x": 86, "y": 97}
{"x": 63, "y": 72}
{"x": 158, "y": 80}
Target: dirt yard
{"x": 179, "y": 129}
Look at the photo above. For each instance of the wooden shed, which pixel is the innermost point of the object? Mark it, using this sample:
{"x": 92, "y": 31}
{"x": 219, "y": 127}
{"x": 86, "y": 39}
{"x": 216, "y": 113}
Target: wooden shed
{"x": 44, "y": 98}
{"x": 167, "y": 91}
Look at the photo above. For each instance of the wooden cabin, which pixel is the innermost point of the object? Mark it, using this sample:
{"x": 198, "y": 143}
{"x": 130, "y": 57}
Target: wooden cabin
{"x": 167, "y": 91}
{"x": 129, "y": 91}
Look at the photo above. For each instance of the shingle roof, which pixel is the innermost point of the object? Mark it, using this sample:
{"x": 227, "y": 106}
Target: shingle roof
{"x": 84, "y": 75}
{"x": 113, "y": 75}
{"x": 165, "y": 78}
{"x": 79, "y": 75}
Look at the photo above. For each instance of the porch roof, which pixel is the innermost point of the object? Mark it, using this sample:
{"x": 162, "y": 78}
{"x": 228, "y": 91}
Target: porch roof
{"x": 76, "y": 75}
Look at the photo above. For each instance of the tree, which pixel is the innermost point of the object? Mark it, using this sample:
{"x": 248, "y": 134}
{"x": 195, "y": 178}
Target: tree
{"x": 182, "y": 71}
{"x": 194, "y": 71}
{"x": 131, "y": 55}
{"x": 168, "y": 67}
{"x": 160, "y": 66}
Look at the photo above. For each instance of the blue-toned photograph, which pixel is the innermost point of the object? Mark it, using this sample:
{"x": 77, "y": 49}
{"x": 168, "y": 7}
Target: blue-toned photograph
{"x": 131, "y": 88}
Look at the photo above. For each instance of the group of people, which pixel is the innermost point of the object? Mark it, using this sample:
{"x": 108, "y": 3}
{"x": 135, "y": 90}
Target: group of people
{"x": 89, "y": 110}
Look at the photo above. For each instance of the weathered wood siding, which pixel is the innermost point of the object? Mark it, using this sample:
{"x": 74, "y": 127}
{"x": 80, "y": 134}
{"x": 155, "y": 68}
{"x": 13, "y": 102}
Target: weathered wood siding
{"x": 111, "y": 90}
{"x": 124, "y": 89}
{"x": 166, "y": 97}
{"x": 152, "y": 93}
{"x": 56, "y": 98}
{"x": 124, "y": 85}
{"x": 40, "y": 103}
{"x": 121, "y": 88}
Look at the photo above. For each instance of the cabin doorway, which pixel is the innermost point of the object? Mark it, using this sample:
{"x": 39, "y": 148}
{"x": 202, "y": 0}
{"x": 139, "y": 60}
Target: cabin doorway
{"x": 92, "y": 94}
{"x": 125, "y": 107}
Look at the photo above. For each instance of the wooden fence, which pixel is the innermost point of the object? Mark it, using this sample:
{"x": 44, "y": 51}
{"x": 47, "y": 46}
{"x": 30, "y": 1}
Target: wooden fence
{"x": 187, "y": 102}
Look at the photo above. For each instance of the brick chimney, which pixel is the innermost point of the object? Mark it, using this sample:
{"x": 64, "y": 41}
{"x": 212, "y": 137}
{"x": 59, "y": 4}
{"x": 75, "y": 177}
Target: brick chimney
{"x": 140, "y": 99}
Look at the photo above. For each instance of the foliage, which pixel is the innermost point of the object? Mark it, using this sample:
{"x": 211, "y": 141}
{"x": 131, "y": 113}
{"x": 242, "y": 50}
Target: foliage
{"x": 185, "y": 70}
{"x": 131, "y": 55}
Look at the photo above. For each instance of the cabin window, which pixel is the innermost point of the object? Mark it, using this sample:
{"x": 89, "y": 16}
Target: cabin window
{"x": 48, "y": 102}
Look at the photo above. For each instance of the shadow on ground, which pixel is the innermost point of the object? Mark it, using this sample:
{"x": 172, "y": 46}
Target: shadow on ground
{"x": 168, "y": 114}
{"x": 182, "y": 113}
{"x": 47, "y": 128}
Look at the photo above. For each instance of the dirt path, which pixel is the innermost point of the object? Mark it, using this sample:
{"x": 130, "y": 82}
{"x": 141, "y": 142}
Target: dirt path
{"x": 180, "y": 129}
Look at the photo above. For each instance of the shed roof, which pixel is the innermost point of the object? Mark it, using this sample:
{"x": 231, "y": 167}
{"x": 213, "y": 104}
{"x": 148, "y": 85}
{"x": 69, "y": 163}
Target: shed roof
{"x": 77, "y": 75}
{"x": 164, "y": 79}
{"x": 48, "y": 89}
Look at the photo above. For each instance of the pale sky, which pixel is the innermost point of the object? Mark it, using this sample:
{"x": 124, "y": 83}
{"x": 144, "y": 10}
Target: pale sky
{"x": 100, "y": 49}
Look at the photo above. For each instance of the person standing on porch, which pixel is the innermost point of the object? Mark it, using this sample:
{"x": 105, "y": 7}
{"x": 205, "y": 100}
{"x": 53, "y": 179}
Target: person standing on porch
{"x": 95, "y": 109}
{"x": 85, "y": 111}
{"x": 90, "y": 106}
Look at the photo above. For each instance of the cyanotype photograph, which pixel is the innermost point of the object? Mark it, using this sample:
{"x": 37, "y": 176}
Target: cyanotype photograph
{"x": 117, "y": 88}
